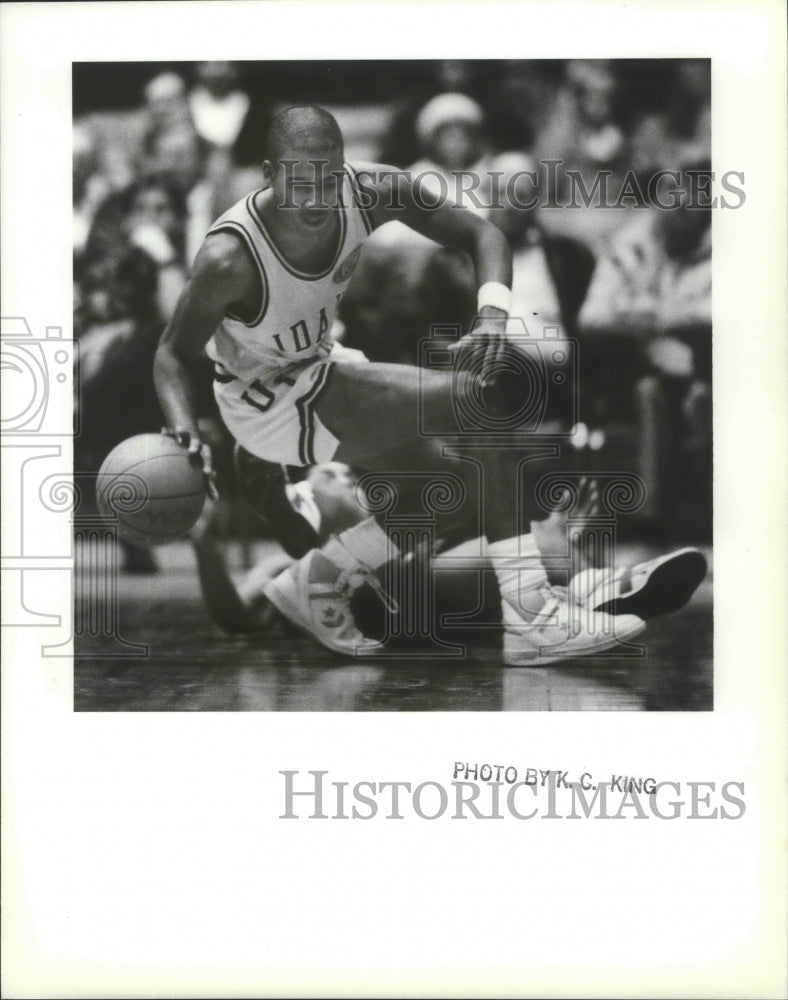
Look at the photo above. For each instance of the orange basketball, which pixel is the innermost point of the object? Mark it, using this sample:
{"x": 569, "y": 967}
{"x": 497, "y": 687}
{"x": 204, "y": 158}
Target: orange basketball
{"x": 152, "y": 488}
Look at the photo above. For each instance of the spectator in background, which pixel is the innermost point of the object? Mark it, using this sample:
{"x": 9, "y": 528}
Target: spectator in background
{"x": 89, "y": 187}
{"x": 218, "y": 104}
{"x": 156, "y": 223}
{"x": 222, "y": 114}
{"x": 655, "y": 286}
{"x": 117, "y": 314}
{"x": 582, "y": 132}
{"x": 400, "y": 145}
{"x": 450, "y": 129}
{"x": 550, "y": 273}
{"x": 100, "y": 169}
{"x": 165, "y": 103}
{"x": 110, "y": 158}
{"x": 680, "y": 132}
{"x": 172, "y": 143}
{"x": 582, "y": 129}
{"x": 520, "y": 100}
{"x": 136, "y": 248}
{"x": 405, "y": 283}
{"x": 151, "y": 216}
{"x": 200, "y": 178}
{"x": 179, "y": 152}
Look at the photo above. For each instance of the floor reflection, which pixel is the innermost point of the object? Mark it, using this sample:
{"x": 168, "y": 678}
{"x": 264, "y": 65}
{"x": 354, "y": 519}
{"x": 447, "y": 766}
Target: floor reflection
{"x": 191, "y": 666}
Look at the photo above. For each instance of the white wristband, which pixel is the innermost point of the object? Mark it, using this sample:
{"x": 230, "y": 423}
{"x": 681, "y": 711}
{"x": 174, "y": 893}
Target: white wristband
{"x": 495, "y": 294}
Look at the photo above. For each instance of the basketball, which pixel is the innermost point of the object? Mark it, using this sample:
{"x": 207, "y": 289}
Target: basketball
{"x": 152, "y": 488}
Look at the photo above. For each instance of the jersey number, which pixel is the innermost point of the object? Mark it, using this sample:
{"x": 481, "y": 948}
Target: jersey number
{"x": 264, "y": 397}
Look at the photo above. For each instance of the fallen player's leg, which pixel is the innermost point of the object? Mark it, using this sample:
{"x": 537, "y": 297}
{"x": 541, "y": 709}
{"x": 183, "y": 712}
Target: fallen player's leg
{"x": 540, "y": 624}
{"x": 462, "y": 582}
{"x": 648, "y": 589}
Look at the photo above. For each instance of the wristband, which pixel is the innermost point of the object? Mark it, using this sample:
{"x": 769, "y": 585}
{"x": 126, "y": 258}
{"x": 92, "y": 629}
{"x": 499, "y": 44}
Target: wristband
{"x": 495, "y": 294}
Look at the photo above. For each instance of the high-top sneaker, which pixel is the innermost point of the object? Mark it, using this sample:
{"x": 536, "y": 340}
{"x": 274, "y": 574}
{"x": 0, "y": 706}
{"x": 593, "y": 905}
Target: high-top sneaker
{"x": 541, "y": 625}
{"x": 648, "y": 589}
{"x": 315, "y": 592}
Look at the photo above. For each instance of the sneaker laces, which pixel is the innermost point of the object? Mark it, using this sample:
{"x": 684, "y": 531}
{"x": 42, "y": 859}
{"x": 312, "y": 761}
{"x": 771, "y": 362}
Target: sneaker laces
{"x": 579, "y": 617}
{"x": 353, "y": 573}
{"x": 349, "y": 581}
{"x": 552, "y": 603}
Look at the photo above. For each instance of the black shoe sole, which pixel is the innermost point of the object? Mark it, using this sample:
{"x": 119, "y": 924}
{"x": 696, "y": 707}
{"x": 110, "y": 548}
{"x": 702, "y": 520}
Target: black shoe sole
{"x": 667, "y": 588}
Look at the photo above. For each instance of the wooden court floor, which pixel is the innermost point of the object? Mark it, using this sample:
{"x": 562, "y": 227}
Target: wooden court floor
{"x": 167, "y": 656}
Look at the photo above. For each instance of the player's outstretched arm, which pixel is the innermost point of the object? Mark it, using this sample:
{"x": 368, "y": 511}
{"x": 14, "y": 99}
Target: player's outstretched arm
{"x": 221, "y": 277}
{"x": 394, "y": 194}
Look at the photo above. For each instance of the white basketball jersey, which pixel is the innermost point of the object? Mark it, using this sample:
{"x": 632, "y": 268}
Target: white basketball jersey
{"x": 297, "y": 310}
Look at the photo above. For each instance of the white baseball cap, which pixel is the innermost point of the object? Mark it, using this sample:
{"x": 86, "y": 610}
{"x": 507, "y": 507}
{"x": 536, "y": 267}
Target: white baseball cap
{"x": 447, "y": 108}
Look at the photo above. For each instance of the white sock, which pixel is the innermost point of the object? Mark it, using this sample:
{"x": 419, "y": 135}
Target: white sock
{"x": 521, "y": 575}
{"x": 366, "y": 542}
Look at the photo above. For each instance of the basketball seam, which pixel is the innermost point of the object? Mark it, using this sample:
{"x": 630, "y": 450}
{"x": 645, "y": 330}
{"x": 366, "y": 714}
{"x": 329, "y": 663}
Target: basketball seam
{"x": 115, "y": 475}
{"x": 170, "y": 496}
{"x": 142, "y": 461}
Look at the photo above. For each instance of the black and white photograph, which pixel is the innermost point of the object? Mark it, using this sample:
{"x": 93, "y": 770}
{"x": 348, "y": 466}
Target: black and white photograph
{"x": 393, "y": 518}
{"x": 444, "y": 441}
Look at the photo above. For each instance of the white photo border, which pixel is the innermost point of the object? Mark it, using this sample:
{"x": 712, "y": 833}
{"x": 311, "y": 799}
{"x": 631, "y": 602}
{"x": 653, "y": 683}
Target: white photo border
{"x": 144, "y": 852}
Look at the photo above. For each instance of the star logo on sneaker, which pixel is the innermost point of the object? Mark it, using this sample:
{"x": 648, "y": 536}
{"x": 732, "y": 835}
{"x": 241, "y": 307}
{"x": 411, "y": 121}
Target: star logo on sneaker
{"x": 332, "y": 617}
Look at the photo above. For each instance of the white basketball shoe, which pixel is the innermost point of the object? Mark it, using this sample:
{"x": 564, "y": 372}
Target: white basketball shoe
{"x": 541, "y": 625}
{"x": 561, "y": 630}
{"x": 315, "y": 593}
{"x": 648, "y": 589}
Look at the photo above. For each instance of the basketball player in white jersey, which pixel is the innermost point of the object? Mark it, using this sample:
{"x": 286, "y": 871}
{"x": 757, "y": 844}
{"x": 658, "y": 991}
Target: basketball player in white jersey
{"x": 261, "y": 301}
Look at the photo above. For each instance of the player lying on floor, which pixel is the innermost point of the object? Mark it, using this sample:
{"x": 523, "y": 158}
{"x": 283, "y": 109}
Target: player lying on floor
{"x": 305, "y": 515}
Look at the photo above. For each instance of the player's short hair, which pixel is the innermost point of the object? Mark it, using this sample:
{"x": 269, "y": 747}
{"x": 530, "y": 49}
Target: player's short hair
{"x": 302, "y": 127}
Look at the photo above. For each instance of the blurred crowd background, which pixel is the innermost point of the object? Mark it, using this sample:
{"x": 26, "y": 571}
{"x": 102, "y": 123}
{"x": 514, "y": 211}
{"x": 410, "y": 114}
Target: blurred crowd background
{"x": 160, "y": 150}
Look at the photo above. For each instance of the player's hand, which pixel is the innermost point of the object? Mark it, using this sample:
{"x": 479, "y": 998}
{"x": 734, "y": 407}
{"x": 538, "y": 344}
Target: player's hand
{"x": 201, "y": 452}
{"x": 481, "y": 351}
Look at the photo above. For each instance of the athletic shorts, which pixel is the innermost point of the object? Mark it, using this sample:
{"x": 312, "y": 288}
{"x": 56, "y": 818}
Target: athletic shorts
{"x": 277, "y": 421}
